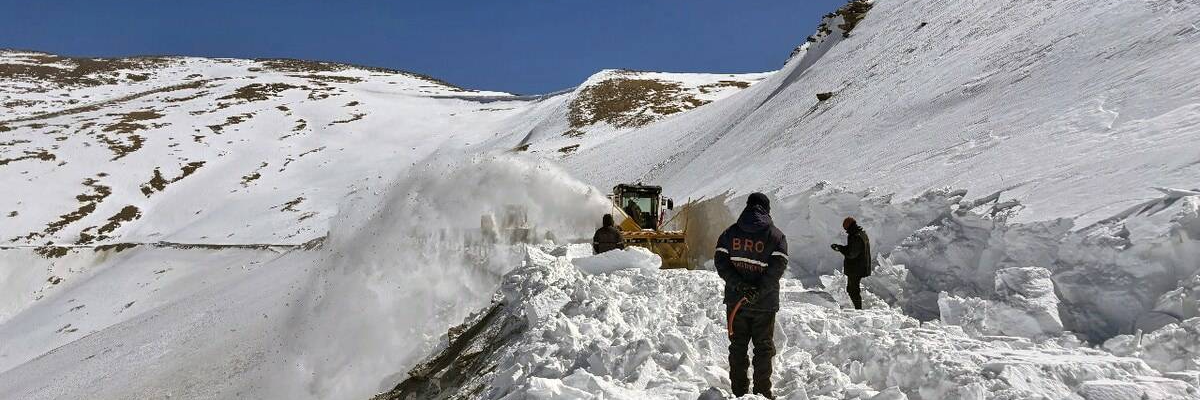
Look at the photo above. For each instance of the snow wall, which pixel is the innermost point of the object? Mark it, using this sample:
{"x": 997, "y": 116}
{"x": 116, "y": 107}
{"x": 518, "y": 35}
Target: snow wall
{"x": 1109, "y": 276}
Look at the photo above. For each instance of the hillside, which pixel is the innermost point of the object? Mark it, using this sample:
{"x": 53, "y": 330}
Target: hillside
{"x": 223, "y": 228}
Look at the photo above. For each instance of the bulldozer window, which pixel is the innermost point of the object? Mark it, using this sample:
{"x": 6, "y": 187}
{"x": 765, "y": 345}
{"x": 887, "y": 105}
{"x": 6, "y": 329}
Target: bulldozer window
{"x": 645, "y": 208}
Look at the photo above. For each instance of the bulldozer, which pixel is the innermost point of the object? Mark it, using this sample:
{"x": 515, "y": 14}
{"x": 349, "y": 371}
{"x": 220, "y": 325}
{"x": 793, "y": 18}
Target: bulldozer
{"x": 640, "y": 213}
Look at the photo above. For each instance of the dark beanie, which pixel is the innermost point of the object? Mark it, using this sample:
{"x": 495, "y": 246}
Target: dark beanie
{"x": 760, "y": 199}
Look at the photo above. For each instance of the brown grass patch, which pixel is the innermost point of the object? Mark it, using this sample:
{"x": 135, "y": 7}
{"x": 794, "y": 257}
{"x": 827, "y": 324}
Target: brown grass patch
{"x": 199, "y": 94}
{"x": 230, "y": 121}
{"x": 82, "y": 72}
{"x": 352, "y": 118}
{"x": 712, "y": 87}
{"x": 304, "y": 66}
{"x": 294, "y": 65}
{"x": 158, "y": 183}
{"x": 21, "y": 103}
{"x": 320, "y": 92}
{"x": 121, "y": 148}
{"x": 291, "y": 205}
{"x": 128, "y": 213}
{"x": 122, "y": 99}
{"x": 625, "y": 102}
{"x": 40, "y": 154}
{"x": 330, "y": 78}
{"x": 569, "y": 149}
{"x": 51, "y": 251}
{"x": 300, "y": 125}
{"x": 258, "y": 91}
{"x": 115, "y": 248}
{"x": 128, "y": 123}
{"x": 253, "y": 176}
{"x": 87, "y": 205}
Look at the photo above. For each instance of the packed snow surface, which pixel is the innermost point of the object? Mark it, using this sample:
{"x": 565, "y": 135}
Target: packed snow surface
{"x": 632, "y": 257}
{"x": 636, "y": 333}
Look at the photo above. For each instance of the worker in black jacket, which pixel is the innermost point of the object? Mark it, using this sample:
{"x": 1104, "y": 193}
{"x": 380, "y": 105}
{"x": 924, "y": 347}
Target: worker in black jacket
{"x": 857, "y": 264}
{"x": 751, "y": 256}
{"x": 608, "y": 237}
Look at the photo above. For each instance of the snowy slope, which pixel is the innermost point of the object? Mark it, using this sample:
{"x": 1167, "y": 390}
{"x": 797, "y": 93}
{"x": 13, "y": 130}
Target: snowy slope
{"x": 1048, "y": 102}
{"x": 218, "y": 228}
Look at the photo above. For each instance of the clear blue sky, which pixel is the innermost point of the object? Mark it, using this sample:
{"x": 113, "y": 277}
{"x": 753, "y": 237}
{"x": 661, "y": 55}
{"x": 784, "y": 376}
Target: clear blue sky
{"x": 521, "y": 46}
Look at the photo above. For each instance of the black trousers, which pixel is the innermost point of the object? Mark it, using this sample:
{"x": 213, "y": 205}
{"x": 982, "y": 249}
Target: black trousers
{"x": 855, "y": 291}
{"x": 758, "y": 327}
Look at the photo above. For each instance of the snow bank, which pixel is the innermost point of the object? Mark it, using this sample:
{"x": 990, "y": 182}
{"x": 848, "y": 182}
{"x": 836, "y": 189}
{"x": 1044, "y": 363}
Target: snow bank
{"x": 1109, "y": 277}
{"x": 632, "y": 257}
{"x": 812, "y": 219}
{"x": 558, "y": 332}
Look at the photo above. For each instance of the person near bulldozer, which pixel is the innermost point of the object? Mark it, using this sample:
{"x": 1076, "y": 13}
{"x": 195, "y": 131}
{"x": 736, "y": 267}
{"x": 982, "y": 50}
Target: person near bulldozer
{"x": 608, "y": 237}
{"x": 751, "y": 256}
{"x": 857, "y": 263}
{"x": 635, "y": 213}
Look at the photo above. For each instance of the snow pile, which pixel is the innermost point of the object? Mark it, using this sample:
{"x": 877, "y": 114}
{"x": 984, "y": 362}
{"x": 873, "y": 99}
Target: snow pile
{"x": 1141, "y": 389}
{"x": 1173, "y": 306}
{"x": 555, "y": 331}
{"x": 835, "y": 284}
{"x": 1173, "y": 348}
{"x": 1024, "y": 306}
{"x": 632, "y": 257}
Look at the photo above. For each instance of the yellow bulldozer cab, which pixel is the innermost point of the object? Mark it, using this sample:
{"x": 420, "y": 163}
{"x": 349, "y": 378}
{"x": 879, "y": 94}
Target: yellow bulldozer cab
{"x": 640, "y": 210}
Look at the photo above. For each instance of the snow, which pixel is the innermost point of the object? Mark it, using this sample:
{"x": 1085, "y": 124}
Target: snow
{"x": 1025, "y": 306}
{"x": 633, "y": 257}
{"x": 637, "y": 334}
{"x": 1026, "y": 172}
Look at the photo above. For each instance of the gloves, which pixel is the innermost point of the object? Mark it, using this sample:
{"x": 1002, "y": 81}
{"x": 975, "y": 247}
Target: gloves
{"x": 748, "y": 291}
{"x": 836, "y": 247}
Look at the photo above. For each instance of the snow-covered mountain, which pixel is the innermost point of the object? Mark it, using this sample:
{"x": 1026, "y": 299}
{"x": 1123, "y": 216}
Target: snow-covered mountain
{"x": 221, "y": 228}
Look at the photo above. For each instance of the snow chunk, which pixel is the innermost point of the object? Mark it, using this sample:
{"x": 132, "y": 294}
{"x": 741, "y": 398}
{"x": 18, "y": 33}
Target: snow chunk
{"x": 1173, "y": 348}
{"x": 1144, "y": 388}
{"x": 632, "y": 257}
{"x": 1025, "y": 306}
